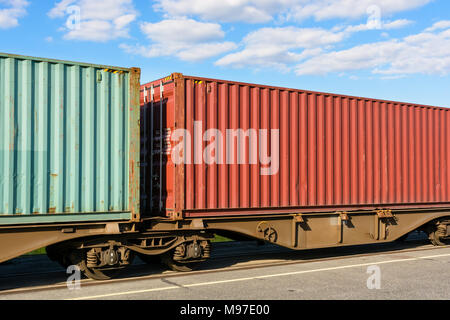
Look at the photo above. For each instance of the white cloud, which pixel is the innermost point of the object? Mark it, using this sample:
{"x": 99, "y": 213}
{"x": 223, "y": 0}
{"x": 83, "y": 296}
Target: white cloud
{"x": 329, "y": 9}
{"x": 186, "y": 39}
{"x": 397, "y": 24}
{"x": 423, "y": 53}
{"x": 123, "y": 21}
{"x": 59, "y": 10}
{"x": 311, "y": 51}
{"x": 276, "y": 47}
{"x": 205, "y": 51}
{"x": 439, "y": 25}
{"x": 99, "y": 21}
{"x": 360, "y": 57}
{"x": 259, "y": 11}
{"x": 380, "y": 25}
{"x": 251, "y": 11}
{"x": 182, "y": 31}
{"x": 11, "y": 11}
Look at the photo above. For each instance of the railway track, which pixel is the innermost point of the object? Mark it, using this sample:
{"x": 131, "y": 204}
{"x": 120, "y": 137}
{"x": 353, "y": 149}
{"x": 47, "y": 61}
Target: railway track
{"x": 227, "y": 257}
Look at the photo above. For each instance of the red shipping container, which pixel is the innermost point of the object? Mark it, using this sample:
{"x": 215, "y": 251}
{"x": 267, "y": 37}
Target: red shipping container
{"x": 230, "y": 148}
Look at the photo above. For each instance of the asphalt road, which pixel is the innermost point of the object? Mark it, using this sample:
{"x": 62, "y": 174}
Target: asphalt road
{"x": 394, "y": 276}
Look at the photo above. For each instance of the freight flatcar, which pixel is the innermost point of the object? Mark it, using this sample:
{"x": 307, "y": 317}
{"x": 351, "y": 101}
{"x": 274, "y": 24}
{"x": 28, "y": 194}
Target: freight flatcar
{"x": 99, "y": 169}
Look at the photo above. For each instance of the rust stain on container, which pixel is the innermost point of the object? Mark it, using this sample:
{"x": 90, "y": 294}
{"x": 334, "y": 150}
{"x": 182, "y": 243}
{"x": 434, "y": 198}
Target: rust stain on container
{"x": 327, "y": 152}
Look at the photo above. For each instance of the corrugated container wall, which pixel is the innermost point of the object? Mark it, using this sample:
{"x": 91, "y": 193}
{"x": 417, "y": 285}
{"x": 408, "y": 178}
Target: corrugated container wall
{"x": 335, "y": 152}
{"x": 65, "y": 141}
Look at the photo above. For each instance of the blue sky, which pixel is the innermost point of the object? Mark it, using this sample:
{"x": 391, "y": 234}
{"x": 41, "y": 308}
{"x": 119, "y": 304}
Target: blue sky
{"x": 388, "y": 49}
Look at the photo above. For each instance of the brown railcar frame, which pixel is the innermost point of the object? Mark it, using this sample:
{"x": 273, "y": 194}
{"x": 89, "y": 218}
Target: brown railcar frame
{"x": 291, "y": 230}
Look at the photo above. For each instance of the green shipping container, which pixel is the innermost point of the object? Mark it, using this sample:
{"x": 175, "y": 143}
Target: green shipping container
{"x": 69, "y": 141}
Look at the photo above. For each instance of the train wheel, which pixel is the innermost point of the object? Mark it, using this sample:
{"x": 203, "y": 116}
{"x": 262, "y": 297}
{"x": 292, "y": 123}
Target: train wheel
{"x": 168, "y": 260}
{"x": 82, "y": 259}
{"x": 99, "y": 273}
{"x": 437, "y": 234}
{"x": 438, "y": 239}
{"x": 187, "y": 256}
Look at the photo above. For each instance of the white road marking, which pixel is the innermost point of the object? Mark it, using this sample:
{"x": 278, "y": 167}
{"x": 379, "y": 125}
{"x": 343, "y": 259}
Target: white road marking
{"x": 257, "y": 277}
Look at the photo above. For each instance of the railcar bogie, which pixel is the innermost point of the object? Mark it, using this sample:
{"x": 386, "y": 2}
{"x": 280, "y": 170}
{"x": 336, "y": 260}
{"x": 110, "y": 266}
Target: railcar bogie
{"x": 439, "y": 231}
{"x": 102, "y": 258}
